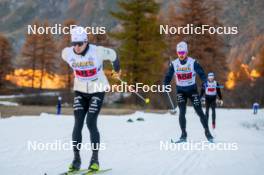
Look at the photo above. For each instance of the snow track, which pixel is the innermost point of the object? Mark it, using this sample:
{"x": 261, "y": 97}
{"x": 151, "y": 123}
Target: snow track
{"x": 134, "y": 148}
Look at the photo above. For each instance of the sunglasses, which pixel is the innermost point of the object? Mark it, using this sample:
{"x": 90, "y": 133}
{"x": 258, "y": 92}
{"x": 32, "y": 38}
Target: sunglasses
{"x": 77, "y": 44}
{"x": 181, "y": 52}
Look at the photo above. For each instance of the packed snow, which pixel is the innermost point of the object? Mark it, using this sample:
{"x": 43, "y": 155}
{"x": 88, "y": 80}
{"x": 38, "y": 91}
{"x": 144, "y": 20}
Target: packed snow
{"x": 29, "y": 95}
{"x": 8, "y": 103}
{"x": 135, "y": 148}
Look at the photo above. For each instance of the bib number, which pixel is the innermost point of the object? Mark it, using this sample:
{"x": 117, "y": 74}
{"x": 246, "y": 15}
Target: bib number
{"x": 211, "y": 89}
{"x": 184, "y": 76}
{"x": 86, "y": 73}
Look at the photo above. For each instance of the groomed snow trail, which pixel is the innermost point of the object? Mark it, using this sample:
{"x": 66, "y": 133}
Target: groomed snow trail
{"x": 134, "y": 148}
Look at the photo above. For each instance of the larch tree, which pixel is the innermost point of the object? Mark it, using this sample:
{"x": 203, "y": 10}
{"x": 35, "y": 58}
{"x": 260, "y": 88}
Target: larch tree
{"x": 65, "y": 41}
{"x": 30, "y": 53}
{"x": 47, "y": 56}
{"x": 5, "y": 59}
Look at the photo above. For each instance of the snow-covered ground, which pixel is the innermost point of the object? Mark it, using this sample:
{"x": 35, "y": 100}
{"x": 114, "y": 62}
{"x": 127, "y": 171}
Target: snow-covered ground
{"x": 134, "y": 148}
{"x": 8, "y": 103}
{"x": 29, "y": 95}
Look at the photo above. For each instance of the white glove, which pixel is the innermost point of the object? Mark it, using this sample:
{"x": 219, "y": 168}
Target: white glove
{"x": 173, "y": 111}
{"x": 203, "y": 100}
{"x": 220, "y": 102}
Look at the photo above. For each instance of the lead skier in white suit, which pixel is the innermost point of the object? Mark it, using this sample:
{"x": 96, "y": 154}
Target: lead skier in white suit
{"x": 86, "y": 60}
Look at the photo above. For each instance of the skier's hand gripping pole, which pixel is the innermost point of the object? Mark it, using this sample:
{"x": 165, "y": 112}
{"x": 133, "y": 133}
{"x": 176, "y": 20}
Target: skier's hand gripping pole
{"x": 146, "y": 100}
{"x": 173, "y": 110}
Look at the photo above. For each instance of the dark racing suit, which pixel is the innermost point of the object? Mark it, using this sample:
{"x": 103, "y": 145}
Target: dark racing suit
{"x": 185, "y": 91}
{"x": 211, "y": 94}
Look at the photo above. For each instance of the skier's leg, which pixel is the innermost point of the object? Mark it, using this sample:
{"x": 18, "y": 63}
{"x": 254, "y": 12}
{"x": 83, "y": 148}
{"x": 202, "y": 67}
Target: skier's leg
{"x": 80, "y": 109}
{"x": 182, "y": 101}
{"x": 207, "y": 106}
{"x": 213, "y": 105}
{"x": 96, "y": 102}
{"x": 198, "y": 108}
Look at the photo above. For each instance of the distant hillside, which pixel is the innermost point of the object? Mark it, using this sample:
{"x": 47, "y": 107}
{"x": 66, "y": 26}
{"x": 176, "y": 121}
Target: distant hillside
{"x": 16, "y": 14}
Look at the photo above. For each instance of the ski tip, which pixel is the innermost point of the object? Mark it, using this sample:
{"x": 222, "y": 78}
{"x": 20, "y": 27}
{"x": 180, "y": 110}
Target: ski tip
{"x": 179, "y": 141}
{"x": 96, "y": 172}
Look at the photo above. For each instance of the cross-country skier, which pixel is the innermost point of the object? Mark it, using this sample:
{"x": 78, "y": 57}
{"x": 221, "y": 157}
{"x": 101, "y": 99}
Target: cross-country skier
{"x": 185, "y": 69}
{"x": 211, "y": 89}
{"x": 86, "y": 60}
{"x": 255, "y": 108}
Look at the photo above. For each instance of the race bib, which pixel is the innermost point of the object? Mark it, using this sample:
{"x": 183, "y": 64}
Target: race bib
{"x": 184, "y": 76}
{"x": 86, "y": 73}
{"x": 211, "y": 89}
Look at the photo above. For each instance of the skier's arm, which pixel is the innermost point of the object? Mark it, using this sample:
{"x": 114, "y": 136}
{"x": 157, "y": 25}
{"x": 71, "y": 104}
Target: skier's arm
{"x": 109, "y": 54}
{"x": 202, "y": 91}
{"x": 168, "y": 75}
{"x": 219, "y": 92}
{"x": 199, "y": 70}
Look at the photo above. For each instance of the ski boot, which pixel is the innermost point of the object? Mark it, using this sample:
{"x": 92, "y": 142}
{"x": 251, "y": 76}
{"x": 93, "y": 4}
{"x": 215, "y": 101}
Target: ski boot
{"x": 183, "y": 137}
{"x": 94, "y": 163}
{"x": 209, "y": 137}
{"x": 76, "y": 163}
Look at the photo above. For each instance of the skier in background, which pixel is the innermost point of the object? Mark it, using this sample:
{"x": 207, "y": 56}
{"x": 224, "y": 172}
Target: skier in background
{"x": 59, "y": 105}
{"x": 185, "y": 69}
{"x": 86, "y": 60}
{"x": 255, "y": 108}
{"x": 211, "y": 89}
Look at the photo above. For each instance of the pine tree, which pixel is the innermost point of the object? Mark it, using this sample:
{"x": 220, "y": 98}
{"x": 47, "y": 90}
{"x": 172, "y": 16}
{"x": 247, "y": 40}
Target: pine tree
{"x": 142, "y": 46}
{"x": 5, "y": 59}
{"x": 170, "y": 18}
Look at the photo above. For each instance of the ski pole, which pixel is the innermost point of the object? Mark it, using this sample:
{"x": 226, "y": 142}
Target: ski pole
{"x": 146, "y": 100}
{"x": 173, "y": 111}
